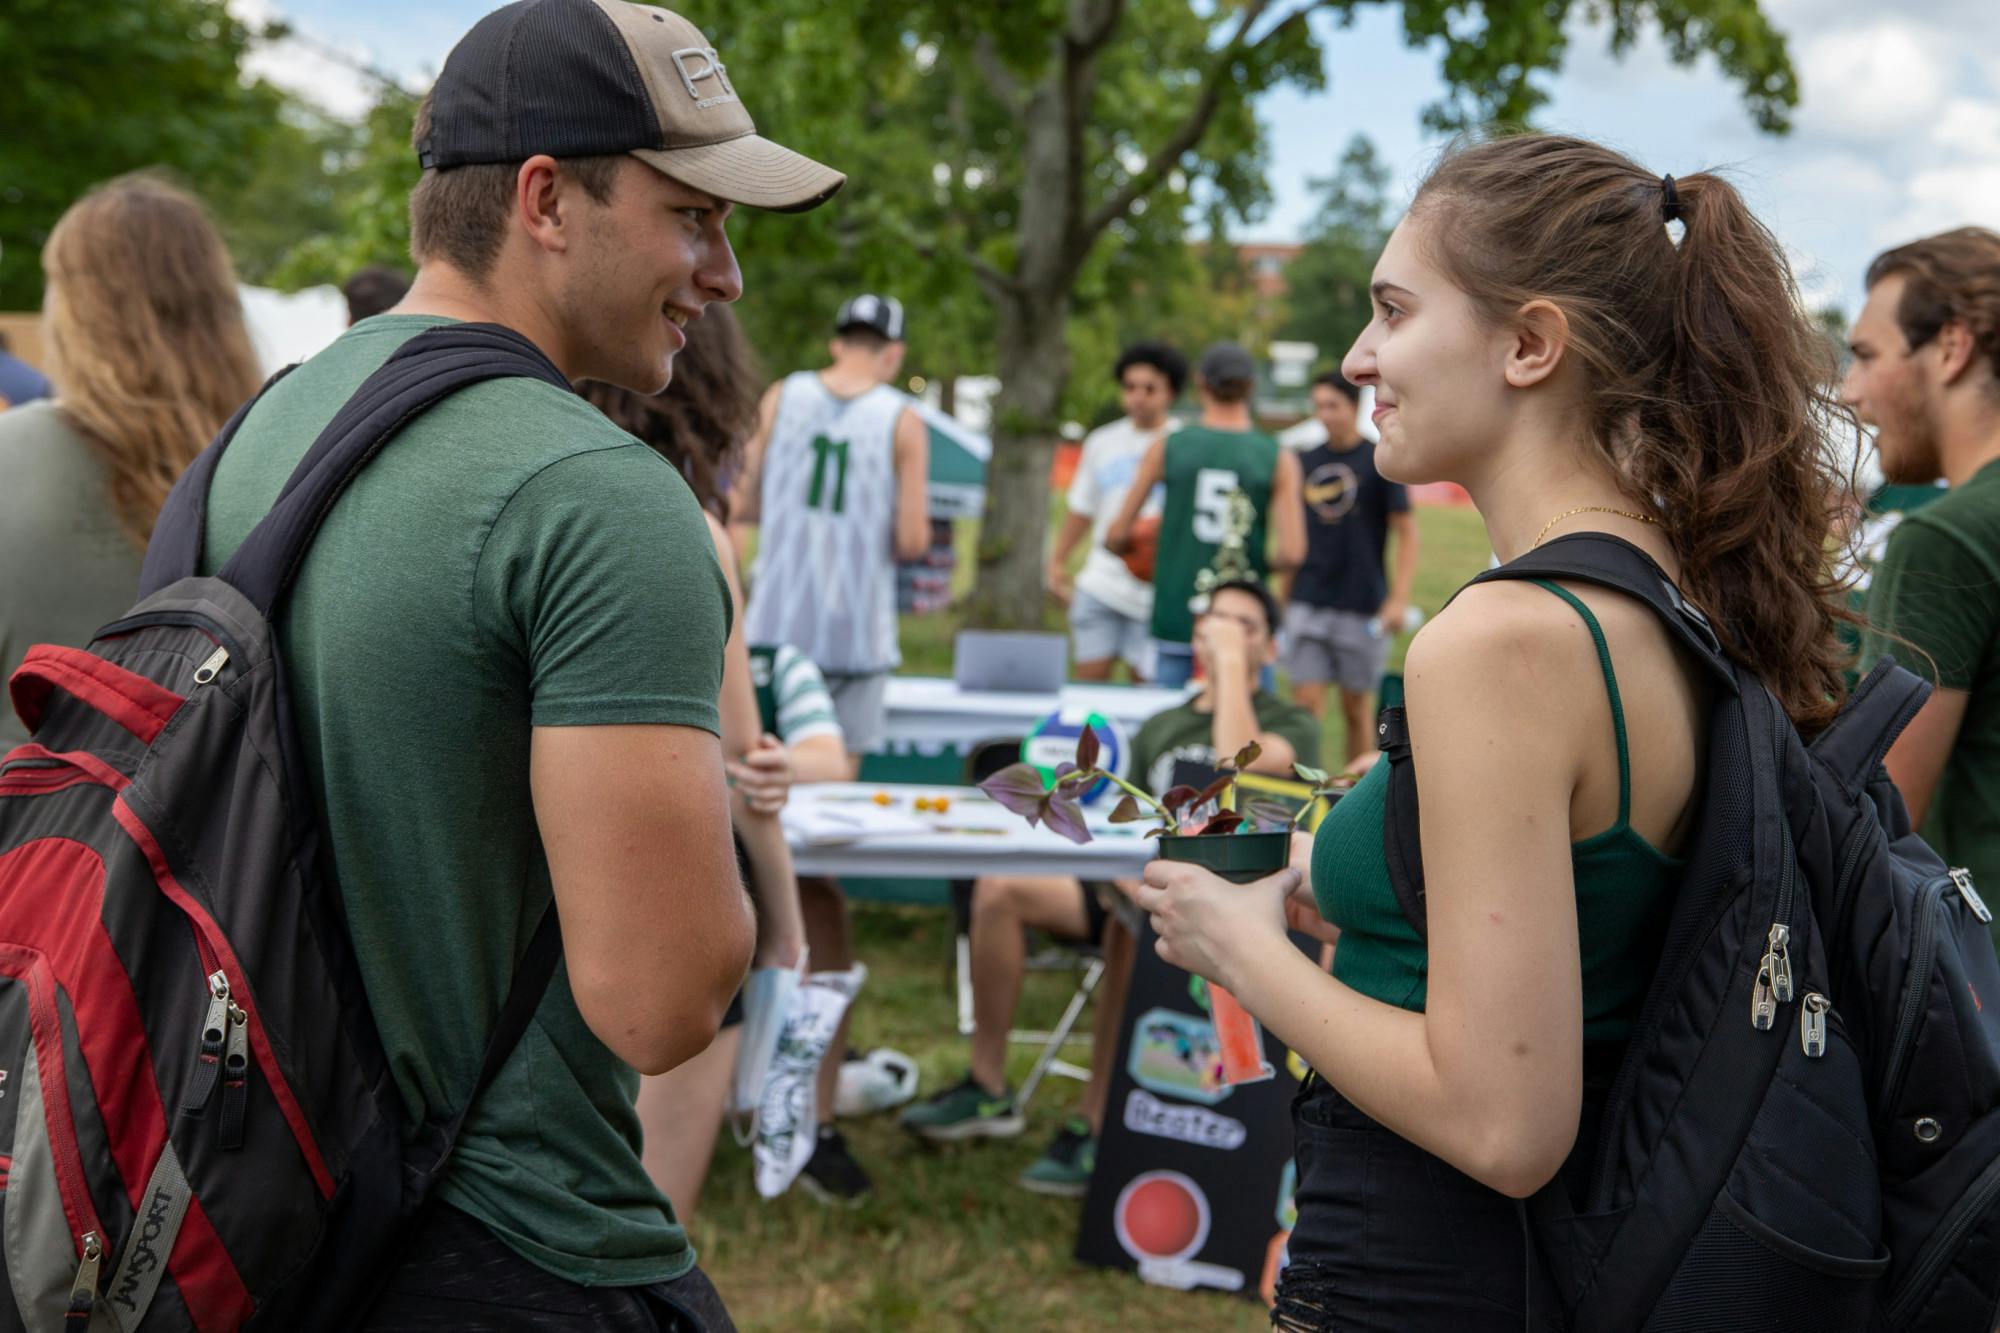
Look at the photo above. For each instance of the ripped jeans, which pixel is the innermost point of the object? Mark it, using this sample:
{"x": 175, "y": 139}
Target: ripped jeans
{"x": 1390, "y": 1237}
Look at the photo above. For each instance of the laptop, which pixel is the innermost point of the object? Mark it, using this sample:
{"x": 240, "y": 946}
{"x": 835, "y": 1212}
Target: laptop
{"x": 1017, "y": 663}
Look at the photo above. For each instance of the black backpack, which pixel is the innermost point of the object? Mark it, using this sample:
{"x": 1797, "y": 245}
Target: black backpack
{"x": 1804, "y": 1129}
{"x": 198, "y": 1128}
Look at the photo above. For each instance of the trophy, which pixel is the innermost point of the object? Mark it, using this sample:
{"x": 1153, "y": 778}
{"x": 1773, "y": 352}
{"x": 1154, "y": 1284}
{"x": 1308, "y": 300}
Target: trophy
{"x": 1231, "y": 563}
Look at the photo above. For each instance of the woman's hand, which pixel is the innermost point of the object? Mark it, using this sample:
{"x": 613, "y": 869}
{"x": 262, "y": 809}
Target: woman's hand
{"x": 764, "y": 775}
{"x": 1210, "y": 926}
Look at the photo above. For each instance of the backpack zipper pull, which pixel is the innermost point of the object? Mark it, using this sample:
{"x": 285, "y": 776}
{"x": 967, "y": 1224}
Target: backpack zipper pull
{"x": 1763, "y": 1005}
{"x": 1962, "y": 879}
{"x": 1780, "y": 960}
{"x": 212, "y": 667}
{"x": 1812, "y": 1024}
{"x": 83, "y": 1292}
{"x": 209, "y": 1062}
{"x": 235, "y": 1081}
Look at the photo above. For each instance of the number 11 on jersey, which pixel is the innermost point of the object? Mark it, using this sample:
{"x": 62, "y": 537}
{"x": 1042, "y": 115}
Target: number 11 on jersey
{"x": 823, "y": 449}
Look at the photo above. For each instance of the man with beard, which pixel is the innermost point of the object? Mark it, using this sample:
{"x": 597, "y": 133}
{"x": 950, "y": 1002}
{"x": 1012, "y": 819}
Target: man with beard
{"x": 1926, "y": 375}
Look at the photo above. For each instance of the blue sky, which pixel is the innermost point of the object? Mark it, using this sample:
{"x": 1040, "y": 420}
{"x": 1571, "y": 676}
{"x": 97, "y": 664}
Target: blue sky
{"x": 1898, "y": 134}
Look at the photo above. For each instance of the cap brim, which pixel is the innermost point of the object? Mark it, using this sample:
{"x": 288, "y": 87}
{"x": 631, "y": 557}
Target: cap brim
{"x": 750, "y": 170}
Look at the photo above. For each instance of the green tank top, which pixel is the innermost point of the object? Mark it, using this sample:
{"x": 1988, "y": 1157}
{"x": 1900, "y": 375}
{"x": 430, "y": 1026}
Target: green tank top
{"x": 1624, "y": 891}
{"x": 1203, "y": 468}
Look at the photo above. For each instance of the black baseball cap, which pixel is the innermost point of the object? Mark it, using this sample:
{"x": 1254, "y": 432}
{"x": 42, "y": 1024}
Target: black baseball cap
{"x": 877, "y": 314}
{"x": 586, "y": 78}
{"x": 1225, "y": 363}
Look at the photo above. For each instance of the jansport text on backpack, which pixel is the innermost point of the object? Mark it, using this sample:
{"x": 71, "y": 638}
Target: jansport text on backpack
{"x": 197, "y": 1126}
{"x": 1803, "y": 1131}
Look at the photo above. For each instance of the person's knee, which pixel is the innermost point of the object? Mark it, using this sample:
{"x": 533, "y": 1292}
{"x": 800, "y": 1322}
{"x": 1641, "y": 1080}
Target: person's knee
{"x": 996, "y": 901}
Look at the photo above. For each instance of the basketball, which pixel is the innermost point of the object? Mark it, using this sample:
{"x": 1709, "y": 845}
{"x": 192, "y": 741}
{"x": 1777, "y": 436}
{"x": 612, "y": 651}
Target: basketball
{"x": 1144, "y": 548}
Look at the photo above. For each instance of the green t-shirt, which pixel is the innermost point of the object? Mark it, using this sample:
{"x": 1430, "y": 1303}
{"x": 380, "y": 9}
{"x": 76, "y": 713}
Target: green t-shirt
{"x": 1938, "y": 586}
{"x": 792, "y": 699}
{"x": 1203, "y": 469}
{"x": 1183, "y": 732}
{"x": 510, "y": 560}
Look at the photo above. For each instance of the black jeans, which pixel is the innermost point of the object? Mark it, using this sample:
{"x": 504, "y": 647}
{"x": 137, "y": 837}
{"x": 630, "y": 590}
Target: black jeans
{"x": 1390, "y": 1237}
{"x": 455, "y": 1274}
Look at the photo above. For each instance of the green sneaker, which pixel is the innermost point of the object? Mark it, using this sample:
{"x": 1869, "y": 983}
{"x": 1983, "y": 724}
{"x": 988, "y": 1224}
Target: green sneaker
{"x": 1064, "y": 1169}
{"x": 965, "y": 1111}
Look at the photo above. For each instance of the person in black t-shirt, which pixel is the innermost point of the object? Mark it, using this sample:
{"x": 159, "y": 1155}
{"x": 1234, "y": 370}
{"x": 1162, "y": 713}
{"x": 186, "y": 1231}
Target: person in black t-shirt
{"x": 1343, "y": 611}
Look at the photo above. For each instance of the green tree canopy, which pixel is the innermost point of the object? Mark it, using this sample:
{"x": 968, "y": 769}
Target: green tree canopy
{"x": 93, "y": 91}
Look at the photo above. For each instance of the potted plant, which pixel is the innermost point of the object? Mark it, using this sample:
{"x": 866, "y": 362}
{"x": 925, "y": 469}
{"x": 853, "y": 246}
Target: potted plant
{"x": 1238, "y": 845}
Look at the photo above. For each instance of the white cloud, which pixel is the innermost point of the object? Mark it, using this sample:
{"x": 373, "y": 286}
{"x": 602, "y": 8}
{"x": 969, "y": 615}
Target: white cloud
{"x": 1875, "y": 83}
{"x": 1944, "y": 197}
{"x": 313, "y": 69}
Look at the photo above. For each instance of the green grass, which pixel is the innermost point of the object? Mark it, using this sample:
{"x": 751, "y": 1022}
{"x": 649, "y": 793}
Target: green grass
{"x": 949, "y": 1241}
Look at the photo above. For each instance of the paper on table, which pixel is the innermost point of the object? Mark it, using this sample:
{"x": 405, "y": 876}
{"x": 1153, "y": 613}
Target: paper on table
{"x": 815, "y": 824}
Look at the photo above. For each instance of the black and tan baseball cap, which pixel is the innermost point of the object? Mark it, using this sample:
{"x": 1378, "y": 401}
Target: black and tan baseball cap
{"x": 585, "y": 78}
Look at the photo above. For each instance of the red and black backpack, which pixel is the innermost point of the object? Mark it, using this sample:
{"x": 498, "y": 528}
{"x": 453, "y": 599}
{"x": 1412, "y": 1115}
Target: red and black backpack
{"x": 197, "y": 1125}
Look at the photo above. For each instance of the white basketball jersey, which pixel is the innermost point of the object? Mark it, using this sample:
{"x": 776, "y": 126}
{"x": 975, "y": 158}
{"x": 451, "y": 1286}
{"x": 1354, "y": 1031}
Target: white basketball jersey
{"x": 825, "y": 578}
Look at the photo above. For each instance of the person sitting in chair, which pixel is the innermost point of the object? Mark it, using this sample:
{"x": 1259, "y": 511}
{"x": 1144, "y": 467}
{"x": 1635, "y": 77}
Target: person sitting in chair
{"x": 1234, "y": 639}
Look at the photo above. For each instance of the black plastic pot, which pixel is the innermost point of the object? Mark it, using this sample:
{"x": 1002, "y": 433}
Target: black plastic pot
{"x": 1237, "y": 857}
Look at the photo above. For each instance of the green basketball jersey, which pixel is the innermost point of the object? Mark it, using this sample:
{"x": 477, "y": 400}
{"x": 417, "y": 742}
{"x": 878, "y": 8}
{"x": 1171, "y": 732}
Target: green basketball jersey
{"x": 1204, "y": 468}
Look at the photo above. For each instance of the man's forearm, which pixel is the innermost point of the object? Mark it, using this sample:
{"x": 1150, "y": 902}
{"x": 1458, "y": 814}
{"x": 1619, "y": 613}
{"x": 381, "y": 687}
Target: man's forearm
{"x": 1235, "y": 722}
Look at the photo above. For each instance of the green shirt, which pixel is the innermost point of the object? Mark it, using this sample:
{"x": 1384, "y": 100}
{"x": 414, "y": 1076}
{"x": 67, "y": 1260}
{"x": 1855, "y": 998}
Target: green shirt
{"x": 1183, "y": 732}
{"x": 510, "y": 560}
{"x": 1203, "y": 468}
{"x": 1938, "y": 586}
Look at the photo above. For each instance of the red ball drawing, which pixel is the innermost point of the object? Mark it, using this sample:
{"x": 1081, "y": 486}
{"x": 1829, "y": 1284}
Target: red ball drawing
{"x": 1161, "y": 1215}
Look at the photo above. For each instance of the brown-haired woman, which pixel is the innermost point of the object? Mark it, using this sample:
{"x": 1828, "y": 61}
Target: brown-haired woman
{"x": 698, "y": 423}
{"x": 145, "y": 328}
{"x": 1544, "y": 337}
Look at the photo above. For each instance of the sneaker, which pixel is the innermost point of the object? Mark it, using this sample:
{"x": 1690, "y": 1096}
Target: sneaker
{"x": 1064, "y": 1169}
{"x": 882, "y": 1080}
{"x": 832, "y": 1175}
{"x": 966, "y": 1111}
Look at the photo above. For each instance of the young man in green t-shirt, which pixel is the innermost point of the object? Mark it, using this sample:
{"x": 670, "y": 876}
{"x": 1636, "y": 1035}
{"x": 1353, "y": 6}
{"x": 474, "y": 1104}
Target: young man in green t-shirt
{"x": 504, "y": 652}
{"x": 1926, "y": 375}
{"x": 1204, "y": 467}
{"x": 1235, "y": 639}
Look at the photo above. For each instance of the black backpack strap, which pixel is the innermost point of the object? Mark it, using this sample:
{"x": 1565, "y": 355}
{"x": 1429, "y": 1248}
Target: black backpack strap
{"x": 424, "y": 1160}
{"x": 1875, "y": 713}
{"x": 1612, "y": 562}
{"x": 1588, "y": 557}
{"x": 424, "y": 370}
{"x": 174, "y": 552}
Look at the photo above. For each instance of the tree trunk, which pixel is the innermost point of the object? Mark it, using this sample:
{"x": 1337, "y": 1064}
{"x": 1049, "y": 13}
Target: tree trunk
{"x": 1033, "y": 361}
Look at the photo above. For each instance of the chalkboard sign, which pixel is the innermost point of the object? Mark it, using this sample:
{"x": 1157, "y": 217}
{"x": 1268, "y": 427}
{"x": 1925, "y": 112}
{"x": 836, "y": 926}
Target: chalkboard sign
{"x": 1193, "y": 1184}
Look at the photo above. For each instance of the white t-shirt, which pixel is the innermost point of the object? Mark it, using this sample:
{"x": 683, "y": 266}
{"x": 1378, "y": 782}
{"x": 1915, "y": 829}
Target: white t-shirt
{"x": 1104, "y": 473}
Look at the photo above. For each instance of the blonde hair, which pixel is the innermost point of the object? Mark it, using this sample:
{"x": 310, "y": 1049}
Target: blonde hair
{"x": 146, "y": 331}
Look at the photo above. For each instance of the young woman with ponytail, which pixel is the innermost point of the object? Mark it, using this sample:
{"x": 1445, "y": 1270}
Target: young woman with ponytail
{"x": 1583, "y": 345}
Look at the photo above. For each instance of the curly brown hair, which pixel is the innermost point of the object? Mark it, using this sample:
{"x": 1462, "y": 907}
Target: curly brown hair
{"x": 1709, "y": 387}
{"x": 700, "y": 421}
{"x": 146, "y": 331}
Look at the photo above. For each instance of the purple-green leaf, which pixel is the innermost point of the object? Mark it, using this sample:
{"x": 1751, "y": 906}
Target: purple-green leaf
{"x": 1158, "y": 832}
{"x": 1247, "y": 756}
{"x": 1088, "y": 747}
{"x": 1226, "y": 822}
{"x": 1018, "y": 787}
{"x": 1214, "y": 790}
{"x": 1063, "y": 815}
{"x": 1127, "y": 812}
{"x": 1177, "y": 797}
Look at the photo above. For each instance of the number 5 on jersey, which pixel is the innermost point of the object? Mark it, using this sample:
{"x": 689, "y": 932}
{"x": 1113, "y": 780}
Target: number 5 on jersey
{"x": 1212, "y": 488}
{"x": 820, "y": 497}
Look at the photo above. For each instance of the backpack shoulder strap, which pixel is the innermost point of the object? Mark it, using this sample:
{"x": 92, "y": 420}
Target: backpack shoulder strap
{"x": 174, "y": 551}
{"x": 423, "y": 371}
{"x": 424, "y": 1160}
{"x": 1875, "y": 714}
{"x": 1611, "y": 562}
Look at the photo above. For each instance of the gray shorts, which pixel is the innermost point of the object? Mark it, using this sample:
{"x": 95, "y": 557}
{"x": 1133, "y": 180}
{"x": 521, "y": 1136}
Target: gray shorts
{"x": 861, "y": 704}
{"x": 1099, "y": 632}
{"x": 1322, "y": 644}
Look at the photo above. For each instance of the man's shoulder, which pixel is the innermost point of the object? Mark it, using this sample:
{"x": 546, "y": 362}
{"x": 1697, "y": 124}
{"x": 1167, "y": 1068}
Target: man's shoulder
{"x": 33, "y": 427}
{"x": 1274, "y": 709}
{"x": 1961, "y": 525}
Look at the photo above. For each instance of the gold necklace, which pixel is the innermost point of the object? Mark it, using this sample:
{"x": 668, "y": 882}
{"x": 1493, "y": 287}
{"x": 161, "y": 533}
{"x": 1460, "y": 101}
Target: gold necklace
{"x": 1589, "y": 509}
